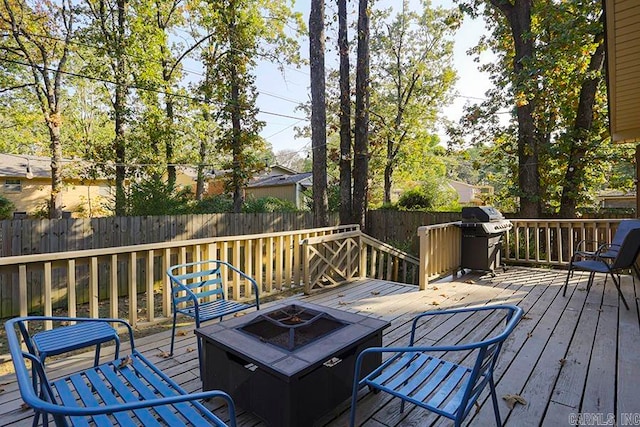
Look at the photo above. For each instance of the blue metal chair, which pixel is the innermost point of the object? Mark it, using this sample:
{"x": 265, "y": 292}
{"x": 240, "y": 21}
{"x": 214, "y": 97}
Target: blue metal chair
{"x": 198, "y": 292}
{"x": 624, "y": 259}
{"x": 446, "y": 388}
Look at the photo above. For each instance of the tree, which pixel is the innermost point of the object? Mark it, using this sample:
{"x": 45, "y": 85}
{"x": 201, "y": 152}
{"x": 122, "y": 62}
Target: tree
{"x": 110, "y": 32}
{"x": 346, "y": 202}
{"x": 549, "y": 68}
{"x": 412, "y": 79}
{"x": 361, "y": 138}
{"x": 40, "y": 43}
{"x": 318, "y": 113}
{"x": 245, "y": 30}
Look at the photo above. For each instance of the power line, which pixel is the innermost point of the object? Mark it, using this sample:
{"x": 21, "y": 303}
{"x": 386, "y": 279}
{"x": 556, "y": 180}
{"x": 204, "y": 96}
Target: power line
{"x": 148, "y": 89}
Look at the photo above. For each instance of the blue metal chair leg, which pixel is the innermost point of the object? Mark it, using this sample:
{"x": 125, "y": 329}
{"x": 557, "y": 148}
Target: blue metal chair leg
{"x": 494, "y": 399}
{"x": 173, "y": 332}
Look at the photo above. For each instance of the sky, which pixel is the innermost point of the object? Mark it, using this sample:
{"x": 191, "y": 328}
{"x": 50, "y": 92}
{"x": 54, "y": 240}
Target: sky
{"x": 280, "y": 92}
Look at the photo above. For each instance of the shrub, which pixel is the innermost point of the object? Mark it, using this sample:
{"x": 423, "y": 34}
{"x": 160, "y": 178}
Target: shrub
{"x": 268, "y": 204}
{"x": 6, "y": 208}
{"x": 152, "y": 196}
{"x": 215, "y": 204}
{"x": 415, "y": 199}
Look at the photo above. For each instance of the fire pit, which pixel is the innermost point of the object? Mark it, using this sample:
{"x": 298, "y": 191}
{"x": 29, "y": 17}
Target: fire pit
{"x": 289, "y": 364}
{"x": 292, "y": 327}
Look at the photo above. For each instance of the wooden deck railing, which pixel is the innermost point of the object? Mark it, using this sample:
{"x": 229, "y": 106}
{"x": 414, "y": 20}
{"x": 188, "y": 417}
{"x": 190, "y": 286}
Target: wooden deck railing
{"x": 439, "y": 251}
{"x": 101, "y": 282}
{"x": 551, "y": 242}
{"x": 331, "y": 260}
{"x": 530, "y": 241}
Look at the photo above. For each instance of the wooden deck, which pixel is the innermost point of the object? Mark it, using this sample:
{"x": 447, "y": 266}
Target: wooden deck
{"x": 573, "y": 359}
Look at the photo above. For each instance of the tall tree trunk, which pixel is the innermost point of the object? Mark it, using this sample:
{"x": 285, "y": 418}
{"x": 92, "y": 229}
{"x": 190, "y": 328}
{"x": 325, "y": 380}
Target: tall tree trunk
{"x": 388, "y": 171}
{"x": 574, "y": 175}
{"x": 361, "y": 143}
{"x": 120, "y": 108}
{"x": 518, "y": 15}
{"x": 346, "y": 203}
{"x": 318, "y": 113}
{"x": 168, "y": 134}
{"x": 236, "y": 114}
{"x": 53, "y": 124}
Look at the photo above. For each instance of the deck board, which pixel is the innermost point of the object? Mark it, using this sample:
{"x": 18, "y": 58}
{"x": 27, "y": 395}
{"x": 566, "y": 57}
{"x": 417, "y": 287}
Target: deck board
{"x": 569, "y": 355}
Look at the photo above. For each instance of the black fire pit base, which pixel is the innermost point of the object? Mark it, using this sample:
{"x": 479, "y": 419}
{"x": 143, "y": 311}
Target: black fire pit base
{"x": 288, "y": 388}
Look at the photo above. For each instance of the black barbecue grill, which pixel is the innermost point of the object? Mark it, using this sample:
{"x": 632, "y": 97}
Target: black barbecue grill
{"x": 482, "y": 231}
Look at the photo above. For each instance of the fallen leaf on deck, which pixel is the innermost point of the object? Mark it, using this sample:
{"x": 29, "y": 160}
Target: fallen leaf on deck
{"x": 238, "y": 314}
{"x": 443, "y": 295}
{"x": 529, "y": 334}
{"x": 513, "y": 399}
{"x": 24, "y": 407}
{"x": 435, "y": 288}
{"x": 125, "y": 361}
{"x": 471, "y": 282}
{"x": 477, "y": 405}
{"x": 181, "y": 333}
{"x": 340, "y": 295}
{"x": 189, "y": 350}
{"x": 164, "y": 354}
{"x": 375, "y": 292}
{"x": 563, "y": 361}
{"x": 525, "y": 317}
{"x": 435, "y": 303}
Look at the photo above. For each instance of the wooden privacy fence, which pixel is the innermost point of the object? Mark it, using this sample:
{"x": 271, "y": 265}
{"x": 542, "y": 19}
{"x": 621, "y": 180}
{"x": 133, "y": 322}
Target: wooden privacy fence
{"x": 37, "y": 236}
{"x": 130, "y": 281}
{"x": 337, "y": 258}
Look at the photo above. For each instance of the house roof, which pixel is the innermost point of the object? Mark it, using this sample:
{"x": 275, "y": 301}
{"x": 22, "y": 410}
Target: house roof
{"x": 282, "y": 180}
{"x": 623, "y": 68}
{"x": 15, "y": 166}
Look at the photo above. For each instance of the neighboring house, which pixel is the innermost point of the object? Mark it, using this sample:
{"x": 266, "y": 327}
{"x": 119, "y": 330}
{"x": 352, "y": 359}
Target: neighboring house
{"x": 471, "y": 194}
{"x": 616, "y": 199}
{"x": 26, "y": 181}
{"x": 282, "y": 183}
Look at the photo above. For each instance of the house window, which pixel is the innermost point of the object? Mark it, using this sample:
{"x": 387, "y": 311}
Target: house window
{"x": 13, "y": 185}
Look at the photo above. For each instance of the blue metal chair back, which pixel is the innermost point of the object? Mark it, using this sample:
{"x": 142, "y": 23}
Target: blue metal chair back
{"x": 197, "y": 285}
{"x": 628, "y": 252}
{"x": 624, "y": 228}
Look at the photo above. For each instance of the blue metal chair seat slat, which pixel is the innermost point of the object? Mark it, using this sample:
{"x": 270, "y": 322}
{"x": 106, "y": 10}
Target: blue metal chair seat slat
{"x": 435, "y": 381}
{"x": 134, "y": 374}
{"x": 73, "y": 337}
{"x": 406, "y": 373}
{"x": 442, "y": 386}
{"x": 215, "y": 309}
{"x": 109, "y": 397}
{"x": 455, "y": 381}
{"x": 67, "y": 398}
{"x": 84, "y": 394}
{"x": 110, "y": 373}
{"x": 194, "y": 412}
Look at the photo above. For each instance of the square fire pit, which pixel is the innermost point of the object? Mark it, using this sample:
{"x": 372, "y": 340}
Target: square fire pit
{"x": 289, "y": 364}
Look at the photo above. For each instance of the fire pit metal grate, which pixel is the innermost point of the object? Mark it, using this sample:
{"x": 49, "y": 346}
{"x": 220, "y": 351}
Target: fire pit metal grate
{"x": 292, "y": 327}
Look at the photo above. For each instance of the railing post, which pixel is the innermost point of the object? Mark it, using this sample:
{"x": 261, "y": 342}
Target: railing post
{"x": 305, "y": 267}
{"x": 362, "y": 253}
{"x": 423, "y": 273}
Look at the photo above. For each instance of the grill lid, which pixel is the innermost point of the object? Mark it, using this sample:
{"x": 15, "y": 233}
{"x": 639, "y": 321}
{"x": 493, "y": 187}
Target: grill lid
{"x": 473, "y": 214}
